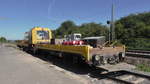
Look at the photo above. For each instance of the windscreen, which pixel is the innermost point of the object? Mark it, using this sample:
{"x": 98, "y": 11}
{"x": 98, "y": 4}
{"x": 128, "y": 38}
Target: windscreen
{"x": 42, "y": 35}
{"x": 78, "y": 36}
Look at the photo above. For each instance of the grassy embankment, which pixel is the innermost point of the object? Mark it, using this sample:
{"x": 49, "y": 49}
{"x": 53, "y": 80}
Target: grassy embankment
{"x": 143, "y": 67}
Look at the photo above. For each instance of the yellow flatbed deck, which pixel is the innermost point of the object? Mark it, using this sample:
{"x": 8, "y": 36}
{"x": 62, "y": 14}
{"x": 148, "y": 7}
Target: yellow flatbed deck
{"x": 82, "y": 50}
{"x": 86, "y": 51}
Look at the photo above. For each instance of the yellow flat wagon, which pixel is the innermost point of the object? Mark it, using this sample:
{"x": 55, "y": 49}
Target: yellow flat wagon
{"x": 40, "y": 39}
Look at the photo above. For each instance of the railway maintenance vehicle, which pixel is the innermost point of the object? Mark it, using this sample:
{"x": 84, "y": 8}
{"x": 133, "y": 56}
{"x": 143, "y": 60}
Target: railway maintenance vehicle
{"x": 92, "y": 50}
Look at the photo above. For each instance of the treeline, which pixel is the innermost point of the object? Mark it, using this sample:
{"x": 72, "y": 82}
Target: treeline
{"x": 87, "y": 29}
{"x": 3, "y": 39}
{"x": 132, "y": 30}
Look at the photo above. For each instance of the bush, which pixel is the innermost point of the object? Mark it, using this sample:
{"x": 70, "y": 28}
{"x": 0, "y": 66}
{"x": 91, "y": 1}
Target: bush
{"x": 137, "y": 43}
{"x": 3, "y": 39}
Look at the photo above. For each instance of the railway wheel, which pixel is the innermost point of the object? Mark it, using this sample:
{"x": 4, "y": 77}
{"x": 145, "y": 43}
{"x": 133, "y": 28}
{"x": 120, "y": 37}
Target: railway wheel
{"x": 35, "y": 51}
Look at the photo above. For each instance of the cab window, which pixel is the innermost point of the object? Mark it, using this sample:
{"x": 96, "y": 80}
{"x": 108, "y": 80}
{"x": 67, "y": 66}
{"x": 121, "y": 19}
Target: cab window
{"x": 42, "y": 35}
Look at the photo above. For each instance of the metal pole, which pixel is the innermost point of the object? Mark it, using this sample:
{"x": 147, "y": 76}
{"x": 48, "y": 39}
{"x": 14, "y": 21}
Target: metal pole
{"x": 109, "y": 33}
{"x": 112, "y": 24}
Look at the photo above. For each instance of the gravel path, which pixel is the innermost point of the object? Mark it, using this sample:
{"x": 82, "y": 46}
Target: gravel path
{"x": 17, "y": 67}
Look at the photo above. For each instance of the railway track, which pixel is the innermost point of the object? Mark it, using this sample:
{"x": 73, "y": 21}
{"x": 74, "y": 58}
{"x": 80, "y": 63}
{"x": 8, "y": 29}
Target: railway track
{"x": 138, "y": 53}
{"x": 127, "y": 77}
{"x": 123, "y": 77}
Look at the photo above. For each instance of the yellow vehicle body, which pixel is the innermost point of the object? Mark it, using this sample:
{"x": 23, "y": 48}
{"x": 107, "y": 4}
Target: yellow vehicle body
{"x": 34, "y": 37}
{"x": 85, "y": 50}
{"x": 82, "y": 50}
{"x": 89, "y": 54}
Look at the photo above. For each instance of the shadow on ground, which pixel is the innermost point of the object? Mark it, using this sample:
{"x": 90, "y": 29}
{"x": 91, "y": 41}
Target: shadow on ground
{"x": 84, "y": 69}
{"x": 79, "y": 68}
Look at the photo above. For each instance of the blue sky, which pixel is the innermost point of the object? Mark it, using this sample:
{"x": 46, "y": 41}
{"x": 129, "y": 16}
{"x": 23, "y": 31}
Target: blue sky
{"x": 18, "y": 16}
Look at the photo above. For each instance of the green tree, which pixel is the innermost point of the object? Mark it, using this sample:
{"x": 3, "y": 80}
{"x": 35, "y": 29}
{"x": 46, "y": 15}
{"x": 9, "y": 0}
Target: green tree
{"x": 65, "y": 28}
{"x": 3, "y": 39}
{"x": 86, "y": 29}
{"x": 134, "y": 30}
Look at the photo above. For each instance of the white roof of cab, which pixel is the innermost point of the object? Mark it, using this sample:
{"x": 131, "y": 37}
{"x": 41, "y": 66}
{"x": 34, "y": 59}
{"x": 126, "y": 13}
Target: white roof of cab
{"x": 94, "y": 37}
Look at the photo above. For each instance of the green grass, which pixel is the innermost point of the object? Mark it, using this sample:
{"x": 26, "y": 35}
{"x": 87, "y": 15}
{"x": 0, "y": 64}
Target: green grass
{"x": 143, "y": 67}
